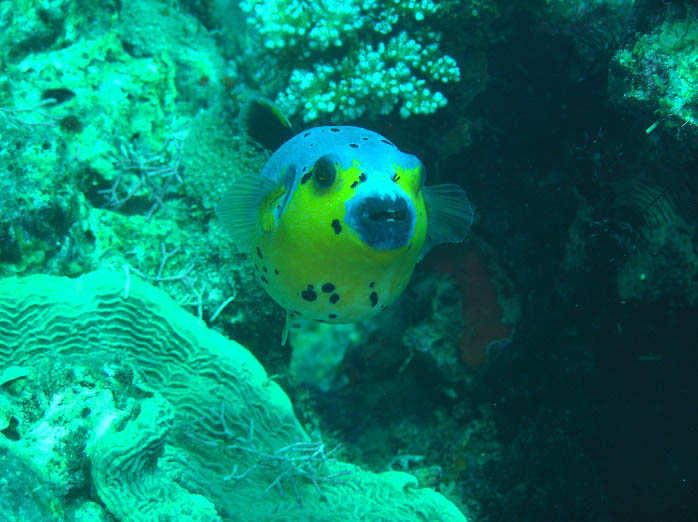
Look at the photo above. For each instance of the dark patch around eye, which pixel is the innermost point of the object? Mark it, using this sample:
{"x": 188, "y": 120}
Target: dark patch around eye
{"x": 333, "y": 316}
{"x": 353, "y": 145}
{"x": 60, "y": 95}
{"x": 328, "y": 288}
{"x": 334, "y": 129}
{"x": 309, "y": 294}
{"x": 334, "y": 298}
{"x": 306, "y": 177}
{"x": 324, "y": 172}
{"x": 259, "y": 253}
{"x": 336, "y": 226}
{"x": 374, "y": 298}
{"x": 362, "y": 177}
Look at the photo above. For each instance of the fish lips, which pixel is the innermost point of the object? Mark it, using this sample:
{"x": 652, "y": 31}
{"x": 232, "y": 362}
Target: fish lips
{"x": 384, "y": 221}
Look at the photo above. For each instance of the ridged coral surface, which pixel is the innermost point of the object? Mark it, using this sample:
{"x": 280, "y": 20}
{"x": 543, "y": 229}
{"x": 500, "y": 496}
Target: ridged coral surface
{"x": 205, "y": 410}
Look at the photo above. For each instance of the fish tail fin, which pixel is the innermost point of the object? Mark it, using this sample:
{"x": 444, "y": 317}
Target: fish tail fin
{"x": 287, "y": 328}
{"x": 449, "y": 215}
{"x": 264, "y": 122}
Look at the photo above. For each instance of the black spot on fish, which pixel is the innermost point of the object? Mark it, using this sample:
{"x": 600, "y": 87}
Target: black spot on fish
{"x": 353, "y": 185}
{"x": 276, "y": 271}
{"x": 305, "y": 168}
{"x": 396, "y": 177}
{"x": 374, "y": 298}
{"x": 334, "y": 298}
{"x": 309, "y": 294}
{"x": 259, "y": 253}
{"x": 306, "y": 177}
{"x": 265, "y": 269}
{"x": 336, "y": 226}
{"x": 264, "y": 280}
{"x": 306, "y": 134}
{"x": 333, "y": 316}
{"x": 372, "y": 284}
{"x": 256, "y": 267}
{"x": 353, "y": 145}
{"x": 362, "y": 177}
{"x": 334, "y": 129}
{"x": 384, "y": 307}
{"x": 328, "y": 288}
{"x": 388, "y": 142}
{"x": 364, "y": 138}
{"x": 319, "y": 320}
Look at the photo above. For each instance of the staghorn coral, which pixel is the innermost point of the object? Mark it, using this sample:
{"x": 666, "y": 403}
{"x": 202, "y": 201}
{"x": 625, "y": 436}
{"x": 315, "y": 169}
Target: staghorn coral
{"x": 164, "y": 434}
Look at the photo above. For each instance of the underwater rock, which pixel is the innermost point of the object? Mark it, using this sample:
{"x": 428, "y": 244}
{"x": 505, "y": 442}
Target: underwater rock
{"x": 654, "y": 77}
{"x": 436, "y": 336}
{"x": 490, "y": 303}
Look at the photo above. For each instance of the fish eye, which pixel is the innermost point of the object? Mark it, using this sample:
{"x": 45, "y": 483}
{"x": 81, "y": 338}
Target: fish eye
{"x": 324, "y": 172}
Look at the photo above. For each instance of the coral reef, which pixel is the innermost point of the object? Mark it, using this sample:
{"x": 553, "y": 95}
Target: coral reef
{"x": 656, "y": 75}
{"x": 490, "y": 305}
{"x": 167, "y": 411}
{"x": 573, "y": 129}
{"x": 354, "y": 58}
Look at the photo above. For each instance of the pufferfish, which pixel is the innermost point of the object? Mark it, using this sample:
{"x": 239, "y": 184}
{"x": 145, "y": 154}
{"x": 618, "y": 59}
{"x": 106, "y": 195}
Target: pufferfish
{"x": 338, "y": 217}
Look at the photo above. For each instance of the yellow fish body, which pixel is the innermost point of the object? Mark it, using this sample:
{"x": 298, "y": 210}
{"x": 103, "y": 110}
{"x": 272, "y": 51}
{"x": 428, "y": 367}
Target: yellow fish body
{"x": 337, "y": 220}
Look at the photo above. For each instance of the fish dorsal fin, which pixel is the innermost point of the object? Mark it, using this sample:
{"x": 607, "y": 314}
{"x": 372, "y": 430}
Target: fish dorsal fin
{"x": 449, "y": 215}
{"x": 264, "y": 122}
{"x": 243, "y": 208}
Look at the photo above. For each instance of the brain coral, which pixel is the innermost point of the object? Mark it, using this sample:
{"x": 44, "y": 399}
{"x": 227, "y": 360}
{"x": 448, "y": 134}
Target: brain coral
{"x": 185, "y": 410}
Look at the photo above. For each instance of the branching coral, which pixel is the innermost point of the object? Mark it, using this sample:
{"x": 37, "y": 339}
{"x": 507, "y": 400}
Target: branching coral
{"x": 344, "y": 60}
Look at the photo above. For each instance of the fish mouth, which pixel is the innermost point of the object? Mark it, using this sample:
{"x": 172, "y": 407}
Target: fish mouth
{"x": 388, "y": 216}
{"x": 383, "y": 222}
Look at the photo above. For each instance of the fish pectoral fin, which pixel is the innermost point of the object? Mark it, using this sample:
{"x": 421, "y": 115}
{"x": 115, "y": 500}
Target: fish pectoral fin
{"x": 241, "y": 210}
{"x": 449, "y": 215}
